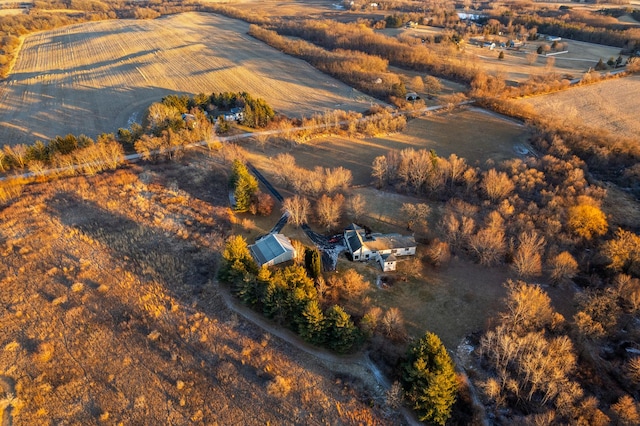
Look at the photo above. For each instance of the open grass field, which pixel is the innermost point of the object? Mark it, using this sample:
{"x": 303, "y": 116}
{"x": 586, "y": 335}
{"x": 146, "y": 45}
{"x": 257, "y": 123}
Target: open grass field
{"x": 95, "y": 77}
{"x": 611, "y": 105}
{"x": 109, "y": 313}
{"x": 474, "y": 134}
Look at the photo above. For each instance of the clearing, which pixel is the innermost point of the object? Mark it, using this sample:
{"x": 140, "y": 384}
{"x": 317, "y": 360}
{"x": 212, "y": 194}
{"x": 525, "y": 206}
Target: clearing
{"x": 97, "y": 77}
{"x": 475, "y": 134}
{"x": 612, "y": 105}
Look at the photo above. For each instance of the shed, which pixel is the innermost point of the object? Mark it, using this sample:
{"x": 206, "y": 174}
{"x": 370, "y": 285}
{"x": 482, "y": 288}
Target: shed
{"x": 387, "y": 262}
{"x": 272, "y": 249}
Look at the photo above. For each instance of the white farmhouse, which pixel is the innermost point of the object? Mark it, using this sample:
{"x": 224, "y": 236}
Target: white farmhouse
{"x": 272, "y": 249}
{"x": 383, "y": 248}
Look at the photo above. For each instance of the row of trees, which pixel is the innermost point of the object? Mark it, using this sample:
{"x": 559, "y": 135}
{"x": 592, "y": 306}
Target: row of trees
{"x": 313, "y": 182}
{"x": 66, "y": 155}
{"x": 363, "y": 71}
{"x": 289, "y": 296}
{"x": 408, "y": 52}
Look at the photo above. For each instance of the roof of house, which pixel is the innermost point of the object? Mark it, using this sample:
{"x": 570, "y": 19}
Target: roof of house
{"x": 390, "y": 241}
{"x": 356, "y": 239}
{"x": 389, "y": 257}
{"x": 354, "y": 236}
{"x": 270, "y": 247}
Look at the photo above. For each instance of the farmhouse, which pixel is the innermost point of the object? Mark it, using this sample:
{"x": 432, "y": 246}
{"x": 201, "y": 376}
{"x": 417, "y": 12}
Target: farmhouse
{"x": 272, "y": 249}
{"x": 234, "y": 114}
{"x": 383, "y": 248}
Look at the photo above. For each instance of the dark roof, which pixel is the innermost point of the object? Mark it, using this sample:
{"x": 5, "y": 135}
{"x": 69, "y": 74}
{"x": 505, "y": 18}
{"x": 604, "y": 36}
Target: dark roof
{"x": 354, "y": 241}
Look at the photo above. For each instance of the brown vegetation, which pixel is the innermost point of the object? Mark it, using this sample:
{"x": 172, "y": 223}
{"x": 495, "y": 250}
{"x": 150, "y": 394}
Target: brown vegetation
{"x": 110, "y": 312}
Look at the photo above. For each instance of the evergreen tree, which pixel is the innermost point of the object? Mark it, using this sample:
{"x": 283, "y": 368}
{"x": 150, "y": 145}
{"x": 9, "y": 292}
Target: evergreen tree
{"x": 342, "y": 334}
{"x": 244, "y": 185}
{"x": 429, "y": 379}
{"x": 313, "y": 262}
{"x": 237, "y": 260}
{"x": 312, "y": 323}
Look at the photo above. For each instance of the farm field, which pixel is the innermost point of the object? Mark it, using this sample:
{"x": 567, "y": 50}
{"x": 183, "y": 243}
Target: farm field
{"x": 611, "y": 105}
{"x": 97, "y": 77}
{"x": 110, "y": 312}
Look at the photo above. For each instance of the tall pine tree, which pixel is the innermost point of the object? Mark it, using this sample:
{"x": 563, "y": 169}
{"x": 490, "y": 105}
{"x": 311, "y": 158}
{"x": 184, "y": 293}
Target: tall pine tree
{"x": 429, "y": 379}
{"x": 244, "y": 186}
{"x": 312, "y": 326}
{"x": 342, "y": 334}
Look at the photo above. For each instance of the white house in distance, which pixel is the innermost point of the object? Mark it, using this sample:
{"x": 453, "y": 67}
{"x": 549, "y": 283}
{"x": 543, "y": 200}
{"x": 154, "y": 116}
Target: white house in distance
{"x": 272, "y": 249}
{"x": 383, "y": 248}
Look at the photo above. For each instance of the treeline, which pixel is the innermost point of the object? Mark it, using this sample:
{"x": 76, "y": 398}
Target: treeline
{"x": 289, "y": 296}
{"x": 64, "y": 155}
{"x": 363, "y": 71}
{"x": 407, "y": 53}
{"x": 628, "y": 39}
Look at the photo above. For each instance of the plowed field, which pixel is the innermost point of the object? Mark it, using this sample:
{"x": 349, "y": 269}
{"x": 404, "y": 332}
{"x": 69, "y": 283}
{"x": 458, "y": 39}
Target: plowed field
{"x": 95, "y": 77}
{"x": 611, "y": 105}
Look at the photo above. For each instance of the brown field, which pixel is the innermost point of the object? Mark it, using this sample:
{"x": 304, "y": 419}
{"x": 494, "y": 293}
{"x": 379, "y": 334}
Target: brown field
{"x": 109, "y": 312}
{"x": 611, "y": 105}
{"x": 474, "y": 134}
{"x": 93, "y": 78}
{"x": 11, "y": 12}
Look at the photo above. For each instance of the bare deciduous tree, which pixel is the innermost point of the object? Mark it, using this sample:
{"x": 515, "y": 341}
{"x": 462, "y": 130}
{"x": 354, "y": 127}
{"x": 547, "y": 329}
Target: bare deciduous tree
{"x": 432, "y": 85}
{"x": 356, "y": 206}
{"x": 298, "y": 207}
{"x": 439, "y": 252}
{"x": 417, "y": 84}
{"x": 329, "y": 210}
{"x": 527, "y": 260}
{"x": 626, "y": 411}
{"x": 393, "y": 324}
{"x": 497, "y": 185}
{"x": 563, "y": 268}
{"x": 380, "y": 170}
{"x": 416, "y": 215}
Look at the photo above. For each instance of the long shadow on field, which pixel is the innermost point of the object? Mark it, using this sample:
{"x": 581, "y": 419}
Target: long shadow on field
{"x": 158, "y": 362}
{"x": 149, "y": 253}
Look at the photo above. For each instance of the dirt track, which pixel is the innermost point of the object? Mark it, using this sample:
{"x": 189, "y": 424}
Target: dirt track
{"x": 93, "y": 78}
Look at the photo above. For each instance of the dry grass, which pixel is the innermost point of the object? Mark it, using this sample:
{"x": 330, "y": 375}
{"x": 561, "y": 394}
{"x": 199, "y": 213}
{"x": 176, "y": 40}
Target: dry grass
{"x": 474, "y": 134}
{"x": 611, "y": 105}
{"x": 94, "y": 77}
{"x": 109, "y": 311}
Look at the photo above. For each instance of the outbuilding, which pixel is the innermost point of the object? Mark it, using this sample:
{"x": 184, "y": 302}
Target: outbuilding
{"x": 272, "y": 249}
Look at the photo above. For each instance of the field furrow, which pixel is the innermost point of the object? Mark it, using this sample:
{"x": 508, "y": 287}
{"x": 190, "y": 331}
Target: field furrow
{"x": 91, "y": 78}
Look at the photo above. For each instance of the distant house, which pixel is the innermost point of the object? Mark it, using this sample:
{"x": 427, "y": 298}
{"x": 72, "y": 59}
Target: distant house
{"x": 489, "y": 44}
{"x": 383, "y": 248}
{"x": 234, "y": 114}
{"x": 272, "y": 249}
{"x": 412, "y": 96}
{"x": 190, "y": 120}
